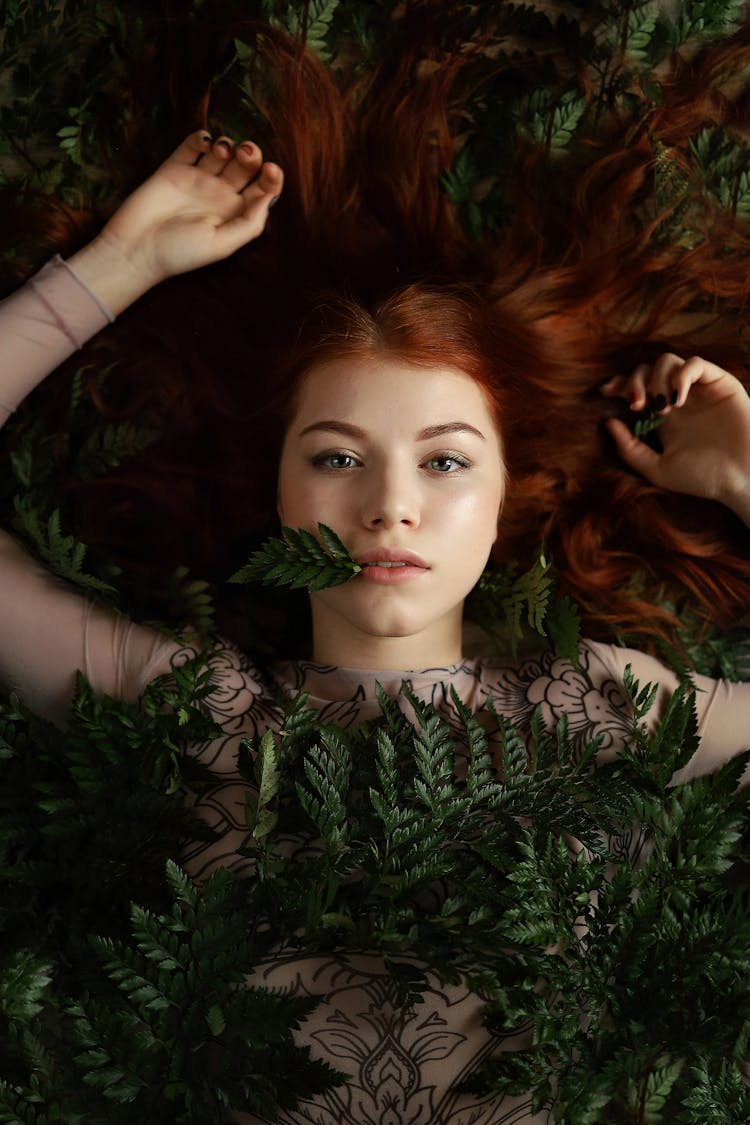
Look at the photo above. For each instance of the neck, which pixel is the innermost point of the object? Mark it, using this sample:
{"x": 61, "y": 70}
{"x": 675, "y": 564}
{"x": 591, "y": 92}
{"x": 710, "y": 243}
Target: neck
{"x": 438, "y": 646}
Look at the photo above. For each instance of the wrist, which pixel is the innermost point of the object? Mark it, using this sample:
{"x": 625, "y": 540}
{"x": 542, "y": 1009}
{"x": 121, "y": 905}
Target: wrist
{"x": 116, "y": 276}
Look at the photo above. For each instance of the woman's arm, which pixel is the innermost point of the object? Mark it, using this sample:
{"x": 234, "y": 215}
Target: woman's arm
{"x": 48, "y": 631}
{"x": 705, "y": 435}
{"x": 203, "y": 203}
{"x": 705, "y": 442}
{"x": 186, "y": 215}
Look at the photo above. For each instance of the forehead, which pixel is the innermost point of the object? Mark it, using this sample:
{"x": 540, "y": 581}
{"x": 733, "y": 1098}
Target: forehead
{"x": 372, "y": 390}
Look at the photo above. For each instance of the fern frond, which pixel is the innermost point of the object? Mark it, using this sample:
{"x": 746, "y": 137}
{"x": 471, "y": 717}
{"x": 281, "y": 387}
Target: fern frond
{"x": 62, "y": 553}
{"x": 300, "y": 560}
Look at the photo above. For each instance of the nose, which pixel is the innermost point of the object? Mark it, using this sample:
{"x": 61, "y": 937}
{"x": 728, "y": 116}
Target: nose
{"x": 391, "y": 499}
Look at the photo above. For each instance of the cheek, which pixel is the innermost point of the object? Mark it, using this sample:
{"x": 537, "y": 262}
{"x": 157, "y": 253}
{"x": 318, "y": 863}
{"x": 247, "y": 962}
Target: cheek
{"x": 302, "y": 500}
{"x": 476, "y": 512}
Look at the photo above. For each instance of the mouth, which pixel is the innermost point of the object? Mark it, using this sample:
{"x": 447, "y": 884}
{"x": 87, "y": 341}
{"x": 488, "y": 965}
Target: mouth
{"x": 391, "y": 567}
{"x": 389, "y": 559}
{"x": 385, "y": 564}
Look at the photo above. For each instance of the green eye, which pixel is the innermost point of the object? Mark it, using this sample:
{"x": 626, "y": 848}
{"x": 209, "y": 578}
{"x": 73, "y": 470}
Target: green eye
{"x": 335, "y": 461}
{"x": 447, "y": 463}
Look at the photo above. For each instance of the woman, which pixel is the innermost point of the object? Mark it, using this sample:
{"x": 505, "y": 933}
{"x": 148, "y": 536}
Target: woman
{"x": 397, "y": 441}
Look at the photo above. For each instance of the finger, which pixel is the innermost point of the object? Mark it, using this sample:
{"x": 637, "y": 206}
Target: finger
{"x": 634, "y": 452}
{"x": 270, "y": 181}
{"x": 635, "y": 387}
{"x": 661, "y": 383}
{"x": 215, "y": 159}
{"x": 631, "y": 387}
{"x": 192, "y": 149}
{"x": 614, "y": 387}
{"x": 244, "y": 166}
{"x": 699, "y": 371}
{"x": 260, "y": 197}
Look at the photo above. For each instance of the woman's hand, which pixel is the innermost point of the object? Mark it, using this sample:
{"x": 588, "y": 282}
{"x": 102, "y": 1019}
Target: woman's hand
{"x": 204, "y": 202}
{"x": 705, "y": 435}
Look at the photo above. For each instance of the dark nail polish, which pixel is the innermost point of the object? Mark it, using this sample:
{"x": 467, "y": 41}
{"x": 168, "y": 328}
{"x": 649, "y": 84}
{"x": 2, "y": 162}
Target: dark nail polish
{"x": 206, "y": 137}
{"x": 660, "y": 402}
{"x": 275, "y": 200}
{"x": 673, "y": 397}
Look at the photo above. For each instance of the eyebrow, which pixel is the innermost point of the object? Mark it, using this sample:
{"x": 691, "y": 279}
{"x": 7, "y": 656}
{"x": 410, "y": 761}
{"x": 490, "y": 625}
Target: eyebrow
{"x": 348, "y": 430}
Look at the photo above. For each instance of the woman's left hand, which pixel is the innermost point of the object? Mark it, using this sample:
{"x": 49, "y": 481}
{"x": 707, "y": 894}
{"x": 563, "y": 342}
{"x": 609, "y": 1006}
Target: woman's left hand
{"x": 705, "y": 435}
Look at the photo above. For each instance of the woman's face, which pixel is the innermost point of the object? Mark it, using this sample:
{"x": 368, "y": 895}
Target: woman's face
{"x": 405, "y": 464}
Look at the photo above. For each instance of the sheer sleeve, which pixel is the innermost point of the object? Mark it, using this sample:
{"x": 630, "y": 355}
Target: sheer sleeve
{"x": 41, "y": 325}
{"x": 723, "y": 708}
{"x": 50, "y": 631}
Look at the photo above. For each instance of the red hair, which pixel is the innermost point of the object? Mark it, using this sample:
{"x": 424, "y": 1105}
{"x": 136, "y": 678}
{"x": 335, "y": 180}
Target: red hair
{"x": 419, "y": 325}
{"x": 585, "y": 281}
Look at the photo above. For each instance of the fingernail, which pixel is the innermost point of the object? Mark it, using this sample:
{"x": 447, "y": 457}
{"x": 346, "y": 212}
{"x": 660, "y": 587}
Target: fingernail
{"x": 673, "y": 397}
{"x": 275, "y": 200}
{"x": 206, "y": 137}
{"x": 660, "y": 402}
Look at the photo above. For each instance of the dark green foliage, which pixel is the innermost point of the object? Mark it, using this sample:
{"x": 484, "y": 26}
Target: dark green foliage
{"x": 415, "y": 842}
{"x": 704, "y": 648}
{"x": 507, "y": 604}
{"x": 122, "y": 992}
{"x": 646, "y": 965}
{"x": 111, "y": 1011}
{"x": 63, "y": 63}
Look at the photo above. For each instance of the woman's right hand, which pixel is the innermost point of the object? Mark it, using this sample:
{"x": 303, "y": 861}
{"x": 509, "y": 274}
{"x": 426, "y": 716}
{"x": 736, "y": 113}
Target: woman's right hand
{"x": 204, "y": 202}
{"x": 705, "y": 438}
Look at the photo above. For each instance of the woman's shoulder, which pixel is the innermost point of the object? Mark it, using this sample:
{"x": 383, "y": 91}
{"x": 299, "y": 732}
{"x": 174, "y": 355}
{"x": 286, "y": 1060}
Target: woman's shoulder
{"x": 237, "y": 683}
{"x": 596, "y": 663}
{"x": 591, "y": 691}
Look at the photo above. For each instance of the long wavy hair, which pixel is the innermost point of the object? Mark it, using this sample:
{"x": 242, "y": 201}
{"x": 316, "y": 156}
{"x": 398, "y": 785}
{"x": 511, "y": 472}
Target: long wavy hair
{"x": 583, "y": 283}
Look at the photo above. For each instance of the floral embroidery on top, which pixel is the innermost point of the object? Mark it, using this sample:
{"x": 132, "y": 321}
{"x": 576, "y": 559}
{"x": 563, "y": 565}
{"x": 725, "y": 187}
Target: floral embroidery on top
{"x": 405, "y": 1067}
{"x": 405, "y": 1064}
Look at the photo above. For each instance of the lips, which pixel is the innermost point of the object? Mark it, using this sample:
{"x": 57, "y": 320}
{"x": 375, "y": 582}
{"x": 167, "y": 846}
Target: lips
{"x": 389, "y": 558}
{"x": 391, "y": 566}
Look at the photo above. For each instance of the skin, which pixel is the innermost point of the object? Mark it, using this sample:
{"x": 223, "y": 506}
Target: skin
{"x": 388, "y": 485}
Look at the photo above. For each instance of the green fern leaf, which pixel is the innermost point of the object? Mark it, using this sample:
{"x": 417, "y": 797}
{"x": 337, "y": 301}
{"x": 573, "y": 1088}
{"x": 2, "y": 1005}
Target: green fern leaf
{"x": 192, "y": 601}
{"x": 562, "y": 625}
{"x": 61, "y": 553}
{"x": 565, "y": 120}
{"x": 24, "y": 980}
{"x": 105, "y": 449}
{"x": 300, "y": 560}
{"x": 658, "y": 1088}
{"x": 216, "y": 1020}
{"x": 260, "y": 818}
{"x": 320, "y": 15}
{"x": 641, "y": 27}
